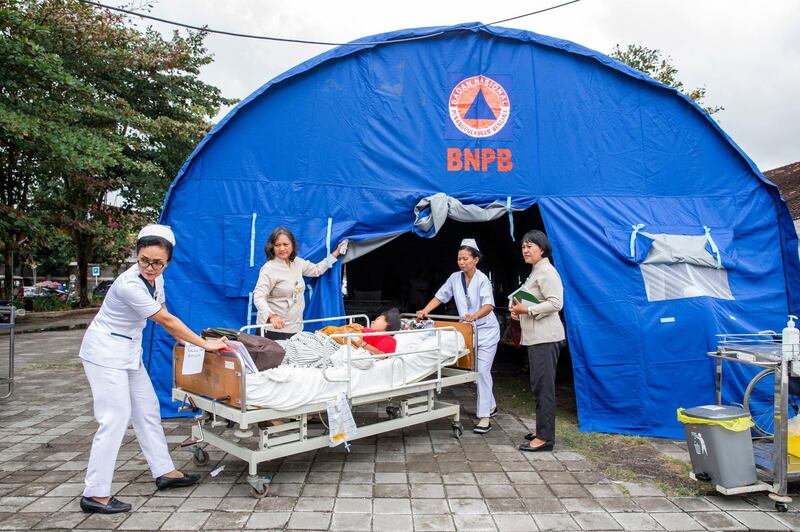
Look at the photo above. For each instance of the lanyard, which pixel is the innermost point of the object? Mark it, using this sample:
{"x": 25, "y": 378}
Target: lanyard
{"x": 466, "y": 291}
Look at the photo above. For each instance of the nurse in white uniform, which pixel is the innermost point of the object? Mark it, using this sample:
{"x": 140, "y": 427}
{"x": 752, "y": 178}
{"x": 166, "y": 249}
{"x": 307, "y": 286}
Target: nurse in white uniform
{"x": 475, "y": 303}
{"x": 111, "y": 353}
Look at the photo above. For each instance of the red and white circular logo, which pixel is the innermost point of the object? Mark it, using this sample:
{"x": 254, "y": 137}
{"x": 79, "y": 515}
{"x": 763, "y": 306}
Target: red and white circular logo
{"x": 479, "y": 106}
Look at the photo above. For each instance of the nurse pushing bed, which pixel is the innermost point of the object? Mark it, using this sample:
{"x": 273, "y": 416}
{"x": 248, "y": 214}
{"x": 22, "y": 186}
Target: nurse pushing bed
{"x": 472, "y": 292}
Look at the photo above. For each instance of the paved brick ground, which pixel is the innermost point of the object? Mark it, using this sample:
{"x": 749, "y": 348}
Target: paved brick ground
{"x": 416, "y": 479}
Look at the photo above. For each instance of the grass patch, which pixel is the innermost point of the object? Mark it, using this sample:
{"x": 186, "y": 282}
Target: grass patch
{"x": 50, "y": 365}
{"x": 621, "y": 458}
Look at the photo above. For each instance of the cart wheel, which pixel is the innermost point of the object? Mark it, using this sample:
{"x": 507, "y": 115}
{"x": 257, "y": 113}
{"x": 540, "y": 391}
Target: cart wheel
{"x": 200, "y": 456}
{"x": 458, "y": 430}
{"x": 229, "y": 424}
{"x": 260, "y": 493}
{"x": 393, "y": 412}
{"x": 781, "y": 507}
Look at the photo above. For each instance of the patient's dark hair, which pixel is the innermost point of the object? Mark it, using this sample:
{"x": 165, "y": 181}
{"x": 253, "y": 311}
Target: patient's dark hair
{"x": 392, "y": 316}
{"x": 534, "y": 236}
{"x": 147, "y": 241}
{"x": 269, "y": 248}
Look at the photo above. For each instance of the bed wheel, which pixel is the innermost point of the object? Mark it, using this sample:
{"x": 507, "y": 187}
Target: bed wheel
{"x": 458, "y": 430}
{"x": 781, "y": 507}
{"x": 393, "y": 411}
{"x": 259, "y": 486}
{"x": 229, "y": 423}
{"x": 200, "y": 456}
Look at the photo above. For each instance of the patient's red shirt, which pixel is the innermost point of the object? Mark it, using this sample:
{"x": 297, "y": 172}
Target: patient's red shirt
{"x": 385, "y": 342}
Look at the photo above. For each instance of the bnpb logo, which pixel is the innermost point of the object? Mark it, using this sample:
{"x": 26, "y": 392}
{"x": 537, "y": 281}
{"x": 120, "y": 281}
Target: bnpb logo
{"x": 479, "y": 106}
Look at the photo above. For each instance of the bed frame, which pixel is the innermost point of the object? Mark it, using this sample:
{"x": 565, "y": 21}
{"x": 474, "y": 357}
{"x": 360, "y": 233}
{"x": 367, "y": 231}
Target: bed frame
{"x": 217, "y": 397}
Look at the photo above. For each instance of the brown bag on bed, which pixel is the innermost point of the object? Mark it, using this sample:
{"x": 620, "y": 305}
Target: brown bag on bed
{"x": 266, "y": 353}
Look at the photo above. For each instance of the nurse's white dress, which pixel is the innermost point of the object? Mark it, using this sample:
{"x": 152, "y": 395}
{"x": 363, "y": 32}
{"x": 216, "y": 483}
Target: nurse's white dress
{"x": 111, "y": 353}
{"x": 478, "y": 293}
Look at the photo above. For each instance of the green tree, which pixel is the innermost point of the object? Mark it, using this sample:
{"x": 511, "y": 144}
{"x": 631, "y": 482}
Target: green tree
{"x": 90, "y": 105}
{"x": 661, "y": 69}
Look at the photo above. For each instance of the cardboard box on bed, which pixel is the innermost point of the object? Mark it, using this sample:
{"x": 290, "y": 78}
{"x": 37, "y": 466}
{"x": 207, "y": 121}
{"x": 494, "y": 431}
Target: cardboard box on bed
{"x": 219, "y": 379}
{"x": 468, "y": 360}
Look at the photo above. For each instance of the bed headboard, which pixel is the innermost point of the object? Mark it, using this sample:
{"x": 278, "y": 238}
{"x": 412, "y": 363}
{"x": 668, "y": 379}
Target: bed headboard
{"x": 219, "y": 379}
{"x": 466, "y": 329}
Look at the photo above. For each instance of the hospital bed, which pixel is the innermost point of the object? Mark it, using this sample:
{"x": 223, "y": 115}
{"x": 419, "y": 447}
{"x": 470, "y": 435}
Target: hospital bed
{"x": 229, "y": 419}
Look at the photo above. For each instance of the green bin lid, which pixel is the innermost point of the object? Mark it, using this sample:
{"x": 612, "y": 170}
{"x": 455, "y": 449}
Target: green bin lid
{"x": 717, "y": 412}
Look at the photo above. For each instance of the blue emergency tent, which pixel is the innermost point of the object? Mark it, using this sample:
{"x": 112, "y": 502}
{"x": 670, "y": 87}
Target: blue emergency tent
{"x": 664, "y": 231}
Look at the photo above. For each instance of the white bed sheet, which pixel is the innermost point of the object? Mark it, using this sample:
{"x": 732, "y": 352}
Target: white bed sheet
{"x": 289, "y": 387}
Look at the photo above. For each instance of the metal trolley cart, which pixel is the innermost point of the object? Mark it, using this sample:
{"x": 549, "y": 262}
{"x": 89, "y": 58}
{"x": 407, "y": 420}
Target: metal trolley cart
{"x": 770, "y": 444}
{"x": 220, "y": 390}
{"x": 9, "y": 326}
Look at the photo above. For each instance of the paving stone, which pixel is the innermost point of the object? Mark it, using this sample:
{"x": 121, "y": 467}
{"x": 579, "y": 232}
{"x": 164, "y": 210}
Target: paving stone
{"x": 351, "y": 521}
{"x": 262, "y": 520}
{"x": 496, "y": 491}
{"x": 555, "y": 521}
{"x": 63, "y": 520}
{"x": 574, "y": 491}
{"x": 791, "y": 520}
{"x": 581, "y": 505}
{"x": 462, "y": 492}
{"x": 506, "y": 506}
{"x": 194, "y": 504}
{"x": 596, "y": 521}
{"x": 236, "y": 504}
{"x": 101, "y": 522}
{"x": 642, "y": 490}
{"x": 356, "y": 478}
{"x": 462, "y": 479}
{"x": 730, "y": 503}
{"x": 226, "y": 520}
{"x": 548, "y": 505}
{"x": 433, "y": 522}
{"x": 525, "y": 477}
{"x": 717, "y": 521}
{"x": 636, "y": 521}
{"x": 47, "y": 504}
{"x": 757, "y": 520}
{"x": 351, "y": 505}
{"x": 144, "y": 521}
{"x": 162, "y": 503}
{"x": 656, "y": 504}
{"x": 514, "y": 522}
{"x": 285, "y": 490}
{"x": 391, "y": 506}
{"x": 467, "y": 506}
{"x": 355, "y": 490}
{"x": 392, "y": 523}
{"x": 557, "y": 477}
{"x": 391, "y": 490}
{"x": 211, "y": 490}
{"x": 309, "y": 520}
{"x": 677, "y": 521}
{"x": 429, "y": 506}
{"x": 314, "y": 504}
{"x": 474, "y": 522}
{"x": 618, "y": 504}
{"x": 693, "y": 504}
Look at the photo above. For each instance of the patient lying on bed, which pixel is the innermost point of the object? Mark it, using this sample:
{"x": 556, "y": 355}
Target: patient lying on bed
{"x": 379, "y": 344}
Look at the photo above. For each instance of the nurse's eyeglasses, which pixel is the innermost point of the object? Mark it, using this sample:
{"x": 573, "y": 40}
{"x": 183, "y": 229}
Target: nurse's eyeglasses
{"x": 156, "y": 265}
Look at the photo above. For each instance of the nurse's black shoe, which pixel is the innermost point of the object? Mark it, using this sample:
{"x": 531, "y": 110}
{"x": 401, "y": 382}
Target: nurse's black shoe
{"x": 493, "y": 412}
{"x": 114, "y": 506}
{"x": 167, "y": 483}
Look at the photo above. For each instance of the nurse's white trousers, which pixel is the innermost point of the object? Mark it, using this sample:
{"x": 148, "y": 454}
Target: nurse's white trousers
{"x": 486, "y": 402}
{"x": 121, "y": 396}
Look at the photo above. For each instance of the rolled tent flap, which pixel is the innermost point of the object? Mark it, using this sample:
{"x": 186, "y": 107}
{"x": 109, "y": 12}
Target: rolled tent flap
{"x": 432, "y": 211}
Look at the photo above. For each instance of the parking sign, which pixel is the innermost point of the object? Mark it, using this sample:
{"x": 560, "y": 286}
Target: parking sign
{"x": 96, "y": 271}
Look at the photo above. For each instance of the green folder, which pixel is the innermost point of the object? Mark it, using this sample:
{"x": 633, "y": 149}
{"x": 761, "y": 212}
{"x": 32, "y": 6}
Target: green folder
{"x": 523, "y": 295}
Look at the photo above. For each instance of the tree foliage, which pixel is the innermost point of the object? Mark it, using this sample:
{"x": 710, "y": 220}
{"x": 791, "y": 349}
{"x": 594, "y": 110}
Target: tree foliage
{"x": 661, "y": 69}
{"x": 90, "y": 105}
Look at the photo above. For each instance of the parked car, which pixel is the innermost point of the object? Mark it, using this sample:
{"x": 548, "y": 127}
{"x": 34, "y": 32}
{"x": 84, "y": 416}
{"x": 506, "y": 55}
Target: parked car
{"x": 31, "y": 291}
{"x": 102, "y": 288}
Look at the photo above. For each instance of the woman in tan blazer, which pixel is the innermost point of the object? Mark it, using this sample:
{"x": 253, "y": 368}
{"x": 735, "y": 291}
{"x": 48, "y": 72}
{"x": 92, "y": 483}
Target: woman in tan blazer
{"x": 543, "y": 333}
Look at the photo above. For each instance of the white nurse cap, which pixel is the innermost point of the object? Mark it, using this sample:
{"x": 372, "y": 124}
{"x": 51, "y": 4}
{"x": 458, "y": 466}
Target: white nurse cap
{"x": 471, "y": 243}
{"x": 162, "y": 231}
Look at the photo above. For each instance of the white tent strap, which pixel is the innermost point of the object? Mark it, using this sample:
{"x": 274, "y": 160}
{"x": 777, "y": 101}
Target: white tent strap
{"x": 510, "y": 217}
{"x": 443, "y": 207}
{"x": 636, "y": 228}
{"x": 328, "y": 258}
{"x": 253, "y": 241}
{"x": 250, "y": 308}
{"x": 713, "y": 245}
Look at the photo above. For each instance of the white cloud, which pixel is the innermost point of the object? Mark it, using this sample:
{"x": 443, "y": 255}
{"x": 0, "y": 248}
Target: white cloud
{"x": 746, "y": 54}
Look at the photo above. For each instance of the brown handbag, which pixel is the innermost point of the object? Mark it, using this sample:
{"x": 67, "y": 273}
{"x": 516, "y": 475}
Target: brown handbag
{"x": 266, "y": 353}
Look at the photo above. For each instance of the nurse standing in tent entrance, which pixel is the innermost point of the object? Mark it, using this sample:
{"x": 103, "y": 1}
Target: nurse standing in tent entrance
{"x": 279, "y": 293}
{"x": 475, "y": 303}
{"x": 111, "y": 353}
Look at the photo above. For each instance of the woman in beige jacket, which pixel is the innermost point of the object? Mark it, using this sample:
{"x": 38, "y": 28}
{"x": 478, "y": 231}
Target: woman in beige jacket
{"x": 543, "y": 333}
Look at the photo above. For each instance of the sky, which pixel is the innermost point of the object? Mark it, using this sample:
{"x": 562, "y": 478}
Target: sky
{"x": 746, "y": 53}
